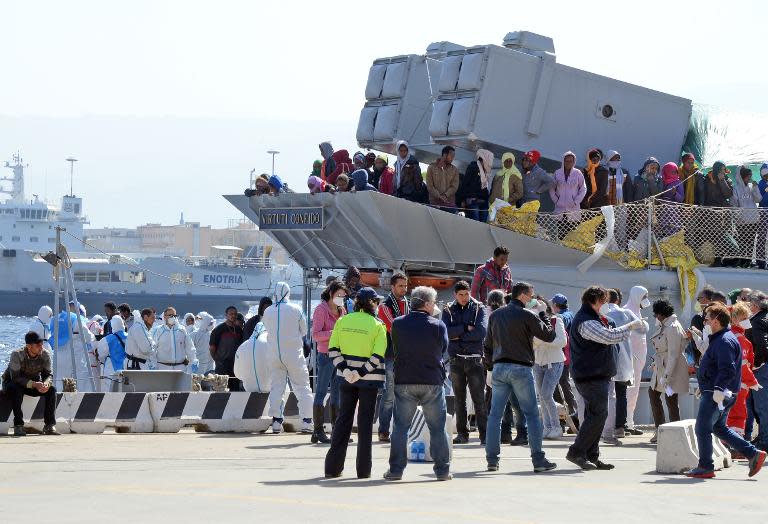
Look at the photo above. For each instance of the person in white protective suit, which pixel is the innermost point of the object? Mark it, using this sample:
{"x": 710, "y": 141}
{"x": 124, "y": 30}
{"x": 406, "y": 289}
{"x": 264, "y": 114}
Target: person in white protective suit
{"x": 252, "y": 362}
{"x": 111, "y": 352}
{"x": 94, "y": 325}
{"x": 638, "y": 300}
{"x": 84, "y": 353}
{"x": 286, "y": 326}
{"x": 201, "y": 337}
{"x": 140, "y": 348}
{"x": 174, "y": 346}
{"x": 189, "y": 323}
{"x": 41, "y": 325}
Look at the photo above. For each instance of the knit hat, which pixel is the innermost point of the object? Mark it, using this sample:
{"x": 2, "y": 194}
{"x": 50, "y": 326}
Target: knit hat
{"x": 559, "y": 299}
{"x": 276, "y": 182}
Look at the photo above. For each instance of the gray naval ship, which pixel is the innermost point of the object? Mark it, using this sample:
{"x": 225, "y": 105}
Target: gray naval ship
{"x": 516, "y": 97}
{"x": 28, "y": 231}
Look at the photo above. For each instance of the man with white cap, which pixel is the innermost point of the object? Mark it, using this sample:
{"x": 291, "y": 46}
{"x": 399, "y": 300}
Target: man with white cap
{"x": 111, "y": 352}
{"x": 41, "y": 325}
{"x": 173, "y": 344}
{"x": 287, "y": 327}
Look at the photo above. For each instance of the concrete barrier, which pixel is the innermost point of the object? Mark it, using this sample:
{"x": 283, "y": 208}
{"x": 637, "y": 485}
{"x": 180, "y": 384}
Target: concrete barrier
{"x": 677, "y": 448}
{"x": 33, "y": 414}
{"x": 92, "y": 413}
{"x": 237, "y": 412}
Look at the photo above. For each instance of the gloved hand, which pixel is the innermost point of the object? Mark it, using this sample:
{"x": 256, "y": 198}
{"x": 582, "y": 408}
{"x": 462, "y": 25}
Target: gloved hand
{"x": 195, "y": 366}
{"x": 636, "y": 325}
{"x": 350, "y": 376}
{"x": 756, "y": 387}
{"x": 540, "y": 307}
{"x": 718, "y": 396}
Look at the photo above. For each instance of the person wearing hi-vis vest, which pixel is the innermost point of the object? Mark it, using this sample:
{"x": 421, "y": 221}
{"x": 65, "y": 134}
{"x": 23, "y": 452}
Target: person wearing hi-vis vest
{"x": 173, "y": 344}
{"x": 111, "y": 352}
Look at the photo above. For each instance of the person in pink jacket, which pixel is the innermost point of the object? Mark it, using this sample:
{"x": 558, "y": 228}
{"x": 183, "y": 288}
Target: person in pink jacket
{"x": 330, "y": 309}
{"x": 568, "y": 192}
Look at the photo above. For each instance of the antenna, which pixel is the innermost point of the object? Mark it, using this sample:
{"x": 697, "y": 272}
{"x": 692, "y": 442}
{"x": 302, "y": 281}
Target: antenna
{"x": 71, "y": 173}
{"x": 273, "y": 153}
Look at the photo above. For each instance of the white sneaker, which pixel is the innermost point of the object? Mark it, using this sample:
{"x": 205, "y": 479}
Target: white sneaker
{"x": 277, "y": 427}
{"x": 307, "y": 427}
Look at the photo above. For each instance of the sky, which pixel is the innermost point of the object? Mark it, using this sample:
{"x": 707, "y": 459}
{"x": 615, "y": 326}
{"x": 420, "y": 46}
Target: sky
{"x": 168, "y": 105}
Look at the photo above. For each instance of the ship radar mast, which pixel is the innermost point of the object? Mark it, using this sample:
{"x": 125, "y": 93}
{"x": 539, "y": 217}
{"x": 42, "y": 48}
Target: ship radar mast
{"x": 17, "y": 180}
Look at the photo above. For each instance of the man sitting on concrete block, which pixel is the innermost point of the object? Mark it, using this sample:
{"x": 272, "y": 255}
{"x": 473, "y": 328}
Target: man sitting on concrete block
{"x": 30, "y": 373}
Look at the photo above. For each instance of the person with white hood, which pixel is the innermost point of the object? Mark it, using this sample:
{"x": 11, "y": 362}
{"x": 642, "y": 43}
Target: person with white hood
{"x": 252, "y": 362}
{"x": 638, "y": 300}
{"x": 403, "y": 152}
{"x": 111, "y": 352}
{"x": 287, "y": 327}
{"x": 200, "y": 338}
{"x": 189, "y": 322}
{"x": 84, "y": 358}
{"x": 174, "y": 346}
{"x": 625, "y": 371}
{"x": 41, "y": 325}
{"x": 94, "y": 325}
{"x": 140, "y": 348}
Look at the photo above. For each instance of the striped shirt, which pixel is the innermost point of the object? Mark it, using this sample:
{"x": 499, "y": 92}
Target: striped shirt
{"x": 596, "y": 331}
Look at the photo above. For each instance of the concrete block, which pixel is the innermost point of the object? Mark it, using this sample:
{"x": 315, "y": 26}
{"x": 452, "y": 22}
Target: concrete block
{"x": 677, "y": 448}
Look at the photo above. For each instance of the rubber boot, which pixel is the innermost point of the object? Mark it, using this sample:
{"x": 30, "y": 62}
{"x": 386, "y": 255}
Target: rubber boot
{"x": 318, "y": 435}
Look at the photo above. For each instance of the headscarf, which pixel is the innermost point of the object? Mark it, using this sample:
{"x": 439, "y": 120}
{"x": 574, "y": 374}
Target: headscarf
{"x": 670, "y": 174}
{"x": 648, "y": 161}
{"x": 505, "y": 173}
{"x": 326, "y": 150}
{"x": 316, "y": 185}
{"x": 358, "y": 158}
{"x": 533, "y": 156}
{"x": 689, "y": 183}
{"x": 399, "y": 161}
{"x": 276, "y": 182}
{"x": 716, "y": 168}
{"x": 616, "y": 181}
{"x": 486, "y": 168}
{"x": 316, "y": 167}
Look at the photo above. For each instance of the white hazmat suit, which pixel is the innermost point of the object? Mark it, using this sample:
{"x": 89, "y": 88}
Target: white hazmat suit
{"x": 201, "y": 338}
{"x": 109, "y": 368}
{"x": 286, "y": 326}
{"x": 638, "y": 343}
{"x": 174, "y": 346}
{"x": 41, "y": 325}
{"x": 140, "y": 346}
{"x": 252, "y": 362}
{"x": 84, "y": 356}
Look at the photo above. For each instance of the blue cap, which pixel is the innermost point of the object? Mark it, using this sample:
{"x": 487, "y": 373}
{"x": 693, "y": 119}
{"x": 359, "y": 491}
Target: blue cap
{"x": 559, "y": 299}
{"x": 368, "y": 293}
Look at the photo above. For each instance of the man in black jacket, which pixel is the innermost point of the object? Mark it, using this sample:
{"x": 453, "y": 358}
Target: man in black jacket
{"x": 509, "y": 346}
{"x": 467, "y": 324}
{"x": 758, "y": 335}
{"x": 593, "y": 362}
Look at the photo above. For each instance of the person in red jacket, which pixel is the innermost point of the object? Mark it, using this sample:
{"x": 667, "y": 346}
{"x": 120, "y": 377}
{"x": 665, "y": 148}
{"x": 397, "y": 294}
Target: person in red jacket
{"x": 737, "y": 417}
{"x": 343, "y": 165}
{"x": 383, "y": 176}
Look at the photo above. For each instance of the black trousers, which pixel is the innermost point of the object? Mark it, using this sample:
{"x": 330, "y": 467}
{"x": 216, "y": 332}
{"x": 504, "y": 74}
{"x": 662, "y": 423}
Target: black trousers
{"x": 16, "y": 393}
{"x": 565, "y": 384}
{"x": 227, "y": 367}
{"x": 349, "y": 398}
{"x": 595, "y": 395}
{"x": 621, "y": 404}
{"x": 658, "y": 411}
{"x": 469, "y": 372}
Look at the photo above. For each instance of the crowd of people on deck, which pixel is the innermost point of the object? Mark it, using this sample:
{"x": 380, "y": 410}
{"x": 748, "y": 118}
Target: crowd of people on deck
{"x": 526, "y": 362}
{"x": 602, "y": 180}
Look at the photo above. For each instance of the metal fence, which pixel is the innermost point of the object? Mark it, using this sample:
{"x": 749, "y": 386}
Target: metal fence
{"x": 652, "y": 232}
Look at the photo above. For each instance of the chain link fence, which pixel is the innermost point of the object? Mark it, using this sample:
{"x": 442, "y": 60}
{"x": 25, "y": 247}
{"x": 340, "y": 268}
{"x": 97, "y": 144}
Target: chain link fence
{"x": 650, "y": 232}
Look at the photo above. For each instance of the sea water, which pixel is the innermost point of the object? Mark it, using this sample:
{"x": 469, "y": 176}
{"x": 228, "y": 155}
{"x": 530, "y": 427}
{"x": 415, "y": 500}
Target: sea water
{"x": 12, "y": 331}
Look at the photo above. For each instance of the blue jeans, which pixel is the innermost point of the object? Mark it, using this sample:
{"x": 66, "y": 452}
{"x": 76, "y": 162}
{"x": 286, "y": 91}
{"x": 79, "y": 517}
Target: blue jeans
{"x": 477, "y": 211}
{"x": 326, "y": 378}
{"x": 760, "y": 405}
{"x": 710, "y": 420}
{"x": 512, "y": 378}
{"x": 387, "y": 402}
{"x": 547, "y": 379}
{"x": 432, "y": 402}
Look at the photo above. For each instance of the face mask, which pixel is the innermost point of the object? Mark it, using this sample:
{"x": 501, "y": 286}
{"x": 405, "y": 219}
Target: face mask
{"x": 746, "y": 324}
{"x": 645, "y": 302}
{"x": 171, "y": 321}
{"x": 604, "y": 309}
{"x": 338, "y": 301}
{"x": 532, "y": 303}
{"x": 614, "y": 164}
